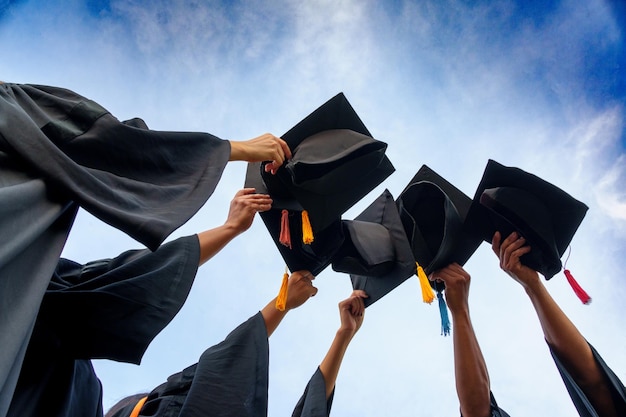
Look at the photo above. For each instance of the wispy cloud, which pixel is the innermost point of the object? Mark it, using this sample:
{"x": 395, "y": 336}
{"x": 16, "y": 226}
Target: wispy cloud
{"x": 447, "y": 84}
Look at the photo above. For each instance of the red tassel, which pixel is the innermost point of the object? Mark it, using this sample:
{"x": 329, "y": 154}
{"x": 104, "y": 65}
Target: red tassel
{"x": 584, "y": 297}
{"x": 285, "y": 234}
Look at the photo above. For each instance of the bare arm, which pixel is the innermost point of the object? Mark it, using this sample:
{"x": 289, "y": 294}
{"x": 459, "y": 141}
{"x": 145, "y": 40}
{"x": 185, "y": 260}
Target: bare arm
{"x": 471, "y": 375}
{"x": 240, "y": 216}
{"x": 300, "y": 289}
{"x": 560, "y": 333}
{"x": 351, "y": 313}
{"x": 266, "y": 147}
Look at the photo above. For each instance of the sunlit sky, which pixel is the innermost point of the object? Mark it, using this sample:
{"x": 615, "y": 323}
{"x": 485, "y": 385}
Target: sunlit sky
{"x": 450, "y": 84}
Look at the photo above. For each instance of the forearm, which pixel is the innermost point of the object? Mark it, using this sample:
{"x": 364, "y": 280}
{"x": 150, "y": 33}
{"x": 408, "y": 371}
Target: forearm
{"x": 272, "y": 316}
{"x": 559, "y": 332}
{"x": 213, "y": 240}
{"x": 472, "y": 377}
{"x": 332, "y": 361}
{"x": 571, "y": 348}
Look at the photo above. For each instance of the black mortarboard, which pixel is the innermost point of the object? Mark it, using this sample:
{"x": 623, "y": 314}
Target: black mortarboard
{"x": 433, "y": 213}
{"x": 375, "y": 252}
{"x": 509, "y": 199}
{"x": 335, "y": 162}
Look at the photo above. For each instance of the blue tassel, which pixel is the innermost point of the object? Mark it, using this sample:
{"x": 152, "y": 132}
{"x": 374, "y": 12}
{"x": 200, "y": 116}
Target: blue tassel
{"x": 443, "y": 312}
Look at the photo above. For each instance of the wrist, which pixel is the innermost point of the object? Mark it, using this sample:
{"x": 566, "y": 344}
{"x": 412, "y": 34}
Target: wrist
{"x": 460, "y": 314}
{"x": 345, "y": 334}
{"x": 232, "y": 229}
{"x": 533, "y": 286}
{"x": 237, "y": 151}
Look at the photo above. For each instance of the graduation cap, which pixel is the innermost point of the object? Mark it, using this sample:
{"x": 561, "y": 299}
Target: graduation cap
{"x": 433, "y": 214}
{"x": 375, "y": 252}
{"x": 509, "y": 199}
{"x": 335, "y": 162}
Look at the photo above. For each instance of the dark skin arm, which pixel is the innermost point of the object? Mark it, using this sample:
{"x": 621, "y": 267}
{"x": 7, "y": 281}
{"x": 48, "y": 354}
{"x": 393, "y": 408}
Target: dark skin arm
{"x": 471, "y": 375}
{"x": 560, "y": 333}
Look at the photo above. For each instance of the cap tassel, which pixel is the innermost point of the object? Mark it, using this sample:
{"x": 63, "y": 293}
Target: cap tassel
{"x": 443, "y": 312}
{"x": 578, "y": 290}
{"x": 285, "y": 234}
{"x": 281, "y": 300}
{"x": 428, "y": 295}
{"x": 307, "y": 231}
{"x": 582, "y": 294}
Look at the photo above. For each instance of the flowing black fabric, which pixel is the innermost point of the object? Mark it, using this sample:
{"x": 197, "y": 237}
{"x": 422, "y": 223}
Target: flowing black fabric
{"x": 111, "y": 309}
{"x": 313, "y": 402}
{"x": 229, "y": 380}
{"x": 580, "y": 400}
{"x": 60, "y": 151}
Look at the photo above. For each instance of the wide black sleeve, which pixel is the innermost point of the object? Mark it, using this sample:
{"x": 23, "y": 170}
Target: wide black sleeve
{"x": 313, "y": 402}
{"x": 113, "y": 308}
{"x": 146, "y": 183}
{"x": 229, "y": 380}
{"x": 580, "y": 400}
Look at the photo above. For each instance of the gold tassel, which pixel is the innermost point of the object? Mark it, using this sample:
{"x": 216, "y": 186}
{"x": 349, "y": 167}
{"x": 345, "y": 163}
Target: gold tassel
{"x": 307, "y": 231}
{"x": 281, "y": 300}
{"x": 428, "y": 295}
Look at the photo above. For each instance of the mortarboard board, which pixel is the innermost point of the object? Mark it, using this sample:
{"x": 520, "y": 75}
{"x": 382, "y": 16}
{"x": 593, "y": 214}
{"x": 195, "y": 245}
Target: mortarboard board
{"x": 509, "y": 199}
{"x": 375, "y": 252}
{"x": 335, "y": 162}
{"x": 433, "y": 213}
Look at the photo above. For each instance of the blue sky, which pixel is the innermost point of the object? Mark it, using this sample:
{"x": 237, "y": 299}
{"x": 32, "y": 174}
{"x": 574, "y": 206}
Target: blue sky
{"x": 537, "y": 85}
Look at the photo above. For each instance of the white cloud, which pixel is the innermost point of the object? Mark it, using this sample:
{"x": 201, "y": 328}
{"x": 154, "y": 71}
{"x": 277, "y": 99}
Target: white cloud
{"x": 443, "y": 85}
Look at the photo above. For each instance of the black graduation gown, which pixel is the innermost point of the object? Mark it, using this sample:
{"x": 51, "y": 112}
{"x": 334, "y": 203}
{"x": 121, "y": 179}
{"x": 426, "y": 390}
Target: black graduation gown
{"x": 229, "y": 380}
{"x": 59, "y": 151}
{"x": 313, "y": 402}
{"x": 582, "y": 404}
{"x": 109, "y": 309}
{"x": 495, "y": 410}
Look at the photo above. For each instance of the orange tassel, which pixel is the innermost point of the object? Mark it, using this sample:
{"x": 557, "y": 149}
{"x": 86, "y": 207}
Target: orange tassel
{"x": 582, "y": 294}
{"x": 138, "y": 407}
{"x": 428, "y": 295}
{"x": 285, "y": 234}
{"x": 307, "y": 231}
{"x": 281, "y": 300}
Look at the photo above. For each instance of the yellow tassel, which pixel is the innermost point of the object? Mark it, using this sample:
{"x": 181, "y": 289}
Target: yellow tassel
{"x": 428, "y": 295}
{"x": 307, "y": 231}
{"x": 281, "y": 300}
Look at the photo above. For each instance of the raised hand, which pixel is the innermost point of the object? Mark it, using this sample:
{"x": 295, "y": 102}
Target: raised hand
{"x": 351, "y": 312}
{"x": 300, "y": 289}
{"x": 243, "y": 207}
{"x": 266, "y": 147}
{"x": 509, "y": 252}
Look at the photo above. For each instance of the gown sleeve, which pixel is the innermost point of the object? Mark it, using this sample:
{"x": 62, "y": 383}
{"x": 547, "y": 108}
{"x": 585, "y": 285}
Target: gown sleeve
{"x": 313, "y": 402}
{"x": 580, "y": 400}
{"x": 144, "y": 182}
{"x": 495, "y": 410}
{"x": 229, "y": 380}
{"x": 113, "y": 308}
